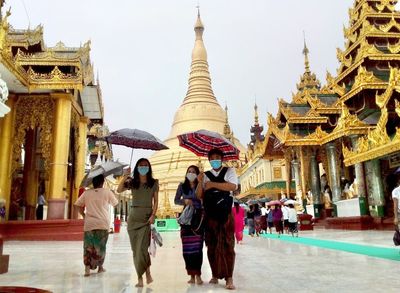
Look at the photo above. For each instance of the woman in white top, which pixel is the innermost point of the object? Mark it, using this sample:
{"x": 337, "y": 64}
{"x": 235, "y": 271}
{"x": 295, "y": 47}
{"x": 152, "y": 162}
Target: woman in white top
{"x": 96, "y": 203}
{"x": 293, "y": 220}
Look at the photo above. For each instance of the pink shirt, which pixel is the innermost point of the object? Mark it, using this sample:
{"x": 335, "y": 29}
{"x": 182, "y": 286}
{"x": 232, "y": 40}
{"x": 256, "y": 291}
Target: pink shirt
{"x": 97, "y": 201}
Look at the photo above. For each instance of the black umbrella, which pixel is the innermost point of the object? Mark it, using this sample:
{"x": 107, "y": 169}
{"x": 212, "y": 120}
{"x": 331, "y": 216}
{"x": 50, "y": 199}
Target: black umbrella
{"x": 135, "y": 139}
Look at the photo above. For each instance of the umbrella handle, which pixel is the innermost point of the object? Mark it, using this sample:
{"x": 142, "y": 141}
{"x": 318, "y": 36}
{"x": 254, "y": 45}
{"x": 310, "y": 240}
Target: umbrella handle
{"x": 130, "y": 163}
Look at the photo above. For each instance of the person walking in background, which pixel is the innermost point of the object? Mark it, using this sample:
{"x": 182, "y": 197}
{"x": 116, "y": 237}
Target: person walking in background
{"x": 270, "y": 218}
{"x": 285, "y": 213}
{"x": 94, "y": 206}
{"x": 238, "y": 215}
{"x": 293, "y": 220}
{"x": 41, "y": 203}
{"x": 263, "y": 219}
{"x": 277, "y": 218}
{"x": 192, "y": 235}
{"x": 257, "y": 219}
{"x": 396, "y": 204}
{"x": 219, "y": 183}
{"x": 144, "y": 190}
{"x": 250, "y": 221}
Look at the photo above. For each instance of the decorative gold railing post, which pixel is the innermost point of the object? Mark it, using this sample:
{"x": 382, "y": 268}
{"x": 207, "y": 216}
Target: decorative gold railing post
{"x": 59, "y": 158}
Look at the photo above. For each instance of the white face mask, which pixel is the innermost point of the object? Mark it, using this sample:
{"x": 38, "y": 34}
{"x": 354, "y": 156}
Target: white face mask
{"x": 191, "y": 176}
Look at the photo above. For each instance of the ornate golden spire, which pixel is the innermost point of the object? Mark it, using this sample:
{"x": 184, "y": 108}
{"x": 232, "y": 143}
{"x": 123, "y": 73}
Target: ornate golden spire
{"x": 199, "y": 89}
{"x": 308, "y": 80}
{"x": 227, "y": 128}
{"x": 306, "y": 52}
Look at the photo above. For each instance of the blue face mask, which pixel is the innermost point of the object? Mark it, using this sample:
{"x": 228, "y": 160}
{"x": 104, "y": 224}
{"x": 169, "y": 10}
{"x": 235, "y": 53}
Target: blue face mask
{"x": 143, "y": 170}
{"x": 216, "y": 164}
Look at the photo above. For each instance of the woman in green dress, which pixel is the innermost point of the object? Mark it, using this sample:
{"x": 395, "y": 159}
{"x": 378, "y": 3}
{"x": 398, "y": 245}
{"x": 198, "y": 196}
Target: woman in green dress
{"x": 144, "y": 207}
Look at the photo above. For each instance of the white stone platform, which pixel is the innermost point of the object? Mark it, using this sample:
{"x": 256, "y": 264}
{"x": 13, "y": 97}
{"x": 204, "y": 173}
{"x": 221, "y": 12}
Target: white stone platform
{"x": 263, "y": 265}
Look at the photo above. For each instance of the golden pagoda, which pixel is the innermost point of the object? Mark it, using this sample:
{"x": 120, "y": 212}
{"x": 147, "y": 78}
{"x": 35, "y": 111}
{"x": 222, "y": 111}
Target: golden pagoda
{"x": 199, "y": 110}
{"x": 53, "y": 100}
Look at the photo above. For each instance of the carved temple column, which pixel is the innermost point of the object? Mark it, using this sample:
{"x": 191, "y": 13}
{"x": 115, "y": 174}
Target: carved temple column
{"x": 334, "y": 173}
{"x": 288, "y": 174}
{"x": 303, "y": 170}
{"x": 296, "y": 171}
{"x": 31, "y": 175}
{"x": 80, "y": 161}
{"x": 6, "y": 138}
{"x": 315, "y": 185}
{"x": 360, "y": 179}
{"x": 59, "y": 162}
{"x": 376, "y": 194}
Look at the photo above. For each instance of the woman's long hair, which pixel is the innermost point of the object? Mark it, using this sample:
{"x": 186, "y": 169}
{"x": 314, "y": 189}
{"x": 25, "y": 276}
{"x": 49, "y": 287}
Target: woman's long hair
{"x": 136, "y": 176}
{"x": 186, "y": 184}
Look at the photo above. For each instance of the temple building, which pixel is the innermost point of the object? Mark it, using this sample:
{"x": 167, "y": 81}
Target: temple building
{"x": 53, "y": 101}
{"x": 263, "y": 175}
{"x": 343, "y": 138}
{"x": 199, "y": 110}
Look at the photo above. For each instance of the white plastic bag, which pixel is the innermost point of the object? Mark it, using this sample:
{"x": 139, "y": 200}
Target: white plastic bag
{"x": 152, "y": 247}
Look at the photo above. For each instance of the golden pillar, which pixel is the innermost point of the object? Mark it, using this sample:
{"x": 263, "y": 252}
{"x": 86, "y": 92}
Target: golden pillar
{"x": 59, "y": 158}
{"x": 80, "y": 161}
{"x": 6, "y": 135}
{"x": 31, "y": 175}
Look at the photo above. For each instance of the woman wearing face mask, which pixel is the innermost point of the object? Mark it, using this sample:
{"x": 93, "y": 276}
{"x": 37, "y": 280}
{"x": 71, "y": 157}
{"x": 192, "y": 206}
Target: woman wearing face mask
{"x": 144, "y": 207}
{"x": 191, "y": 235}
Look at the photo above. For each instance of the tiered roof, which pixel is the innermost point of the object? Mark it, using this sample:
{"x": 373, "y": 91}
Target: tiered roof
{"x": 25, "y": 55}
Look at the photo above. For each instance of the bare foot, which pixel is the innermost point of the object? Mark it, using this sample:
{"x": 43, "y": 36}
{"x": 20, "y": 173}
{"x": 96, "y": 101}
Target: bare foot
{"x": 87, "y": 272}
{"x": 149, "y": 279}
{"x": 213, "y": 281}
{"x": 199, "y": 281}
{"x": 101, "y": 270}
{"x": 229, "y": 284}
{"x": 139, "y": 283}
{"x": 192, "y": 280}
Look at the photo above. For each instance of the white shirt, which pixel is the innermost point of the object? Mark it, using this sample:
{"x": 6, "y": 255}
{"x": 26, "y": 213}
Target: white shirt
{"x": 41, "y": 200}
{"x": 292, "y": 216}
{"x": 230, "y": 176}
{"x": 396, "y": 194}
{"x": 264, "y": 211}
{"x": 285, "y": 212}
{"x": 96, "y": 202}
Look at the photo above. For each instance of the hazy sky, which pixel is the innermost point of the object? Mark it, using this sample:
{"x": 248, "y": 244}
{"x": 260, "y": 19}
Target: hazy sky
{"x": 142, "y": 51}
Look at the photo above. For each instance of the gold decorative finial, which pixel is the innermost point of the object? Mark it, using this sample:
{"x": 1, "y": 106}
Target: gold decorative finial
{"x": 198, "y": 8}
{"x": 255, "y": 113}
{"x": 306, "y": 52}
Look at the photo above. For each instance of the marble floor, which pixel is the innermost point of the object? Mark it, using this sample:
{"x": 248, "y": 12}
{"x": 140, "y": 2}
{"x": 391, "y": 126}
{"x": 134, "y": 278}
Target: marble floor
{"x": 262, "y": 265}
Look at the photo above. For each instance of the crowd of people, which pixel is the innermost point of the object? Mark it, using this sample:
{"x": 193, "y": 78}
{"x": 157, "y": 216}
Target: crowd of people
{"x": 262, "y": 218}
{"x": 212, "y": 222}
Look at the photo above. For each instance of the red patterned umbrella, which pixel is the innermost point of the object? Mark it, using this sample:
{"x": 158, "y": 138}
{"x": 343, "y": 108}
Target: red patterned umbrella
{"x": 202, "y": 141}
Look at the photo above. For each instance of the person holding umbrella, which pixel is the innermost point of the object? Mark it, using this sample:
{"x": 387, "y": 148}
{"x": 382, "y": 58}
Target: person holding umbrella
{"x": 96, "y": 202}
{"x": 144, "y": 208}
{"x": 216, "y": 192}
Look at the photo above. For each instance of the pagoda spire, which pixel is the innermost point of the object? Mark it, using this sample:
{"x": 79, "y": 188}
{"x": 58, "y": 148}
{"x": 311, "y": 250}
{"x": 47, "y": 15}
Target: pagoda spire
{"x": 199, "y": 89}
{"x": 227, "y": 127}
{"x": 306, "y": 52}
{"x": 256, "y": 114}
{"x": 308, "y": 80}
{"x": 256, "y": 130}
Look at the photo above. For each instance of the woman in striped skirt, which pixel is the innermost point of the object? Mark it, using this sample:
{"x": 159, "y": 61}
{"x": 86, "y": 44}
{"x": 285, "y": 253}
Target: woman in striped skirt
{"x": 192, "y": 235}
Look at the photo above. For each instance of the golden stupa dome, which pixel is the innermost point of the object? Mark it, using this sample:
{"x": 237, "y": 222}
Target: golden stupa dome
{"x": 199, "y": 110}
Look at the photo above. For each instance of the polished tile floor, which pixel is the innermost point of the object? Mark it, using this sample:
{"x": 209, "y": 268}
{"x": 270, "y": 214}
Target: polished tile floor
{"x": 262, "y": 265}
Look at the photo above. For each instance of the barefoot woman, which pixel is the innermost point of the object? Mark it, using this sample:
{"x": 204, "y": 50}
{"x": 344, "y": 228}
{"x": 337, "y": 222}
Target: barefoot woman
{"x": 192, "y": 235}
{"x": 144, "y": 207}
